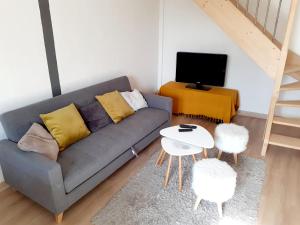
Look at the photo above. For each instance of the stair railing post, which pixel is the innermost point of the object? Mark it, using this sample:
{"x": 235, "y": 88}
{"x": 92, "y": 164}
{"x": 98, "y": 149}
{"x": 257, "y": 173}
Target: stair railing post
{"x": 248, "y": 1}
{"x": 256, "y": 11}
{"x": 267, "y": 15}
{"x": 277, "y": 19}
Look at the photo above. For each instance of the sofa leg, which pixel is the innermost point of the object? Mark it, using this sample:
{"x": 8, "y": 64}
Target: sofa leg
{"x": 59, "y": 217}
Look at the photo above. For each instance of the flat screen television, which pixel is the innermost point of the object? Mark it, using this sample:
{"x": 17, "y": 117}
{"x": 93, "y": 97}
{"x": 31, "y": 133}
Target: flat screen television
{"x": 200, "y": 69}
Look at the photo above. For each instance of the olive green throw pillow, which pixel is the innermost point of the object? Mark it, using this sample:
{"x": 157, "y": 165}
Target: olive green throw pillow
{"x": 115, "y": 106}
{"x": 66, "y": 126}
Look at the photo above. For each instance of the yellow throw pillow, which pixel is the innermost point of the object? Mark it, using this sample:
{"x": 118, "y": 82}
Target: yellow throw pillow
{"x": 65, "y": 125}
{"x": 115, "y": 106}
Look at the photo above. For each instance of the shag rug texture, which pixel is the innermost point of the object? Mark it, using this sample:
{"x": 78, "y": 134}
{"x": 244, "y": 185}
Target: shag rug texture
{"x": 144, "y": 200}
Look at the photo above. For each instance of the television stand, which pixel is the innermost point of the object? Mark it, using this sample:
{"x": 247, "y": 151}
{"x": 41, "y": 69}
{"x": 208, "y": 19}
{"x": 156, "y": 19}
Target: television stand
{"x": 217, "y": 104}
{"x": 198, "y": 86}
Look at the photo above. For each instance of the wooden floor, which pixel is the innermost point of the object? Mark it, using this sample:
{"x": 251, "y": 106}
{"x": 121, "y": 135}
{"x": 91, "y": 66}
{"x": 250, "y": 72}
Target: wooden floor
{"x": 280, "y": 199}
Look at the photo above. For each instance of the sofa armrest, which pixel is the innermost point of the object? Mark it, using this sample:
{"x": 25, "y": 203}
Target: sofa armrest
{"x": 34, "y": 175}
{"x": 159, "y": 102}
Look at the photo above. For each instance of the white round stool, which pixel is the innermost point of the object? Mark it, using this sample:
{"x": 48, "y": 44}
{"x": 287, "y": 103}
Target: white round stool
{"x": 214, "y": 181}
{"x": 231, "y": 138}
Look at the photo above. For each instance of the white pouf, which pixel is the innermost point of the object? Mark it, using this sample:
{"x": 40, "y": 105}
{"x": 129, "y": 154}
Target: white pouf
{"x": 231, "y": 138}
{"x": 214, "y": 181}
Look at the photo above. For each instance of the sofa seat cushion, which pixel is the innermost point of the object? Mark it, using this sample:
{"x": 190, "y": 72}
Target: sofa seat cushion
{"x": 85, "y": 158}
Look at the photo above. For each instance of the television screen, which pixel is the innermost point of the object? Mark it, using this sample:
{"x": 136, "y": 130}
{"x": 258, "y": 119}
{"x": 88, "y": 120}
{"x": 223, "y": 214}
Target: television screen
{"x": 201, "y": 68}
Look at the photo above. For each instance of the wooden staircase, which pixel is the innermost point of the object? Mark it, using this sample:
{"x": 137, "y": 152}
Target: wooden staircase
{"x": 267, "y": 52}
{"x": 292, "y": 69}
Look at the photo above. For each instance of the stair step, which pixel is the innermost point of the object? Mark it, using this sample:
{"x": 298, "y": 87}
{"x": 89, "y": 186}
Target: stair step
{"x": 290, "y": 87}
{"x": 292, "y": 122}
{"x": 296, "y": 75}
{"x": 294, "y": 103}
{"x": 291, "y": 69}
{"x": 284, "y": 141}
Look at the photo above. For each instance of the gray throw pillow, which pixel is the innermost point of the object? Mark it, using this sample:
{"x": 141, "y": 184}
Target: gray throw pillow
{"x": 95, "y": 116}
{"x": 37, "y": 139}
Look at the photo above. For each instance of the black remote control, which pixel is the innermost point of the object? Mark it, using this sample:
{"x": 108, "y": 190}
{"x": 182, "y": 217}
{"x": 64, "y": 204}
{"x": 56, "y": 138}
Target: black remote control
{"x": 185, "y": 130}
{"x": 186, "y": 126}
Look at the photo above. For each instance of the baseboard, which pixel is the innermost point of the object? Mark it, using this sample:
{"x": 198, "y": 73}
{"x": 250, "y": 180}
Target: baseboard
{"x": 252, "y": 114}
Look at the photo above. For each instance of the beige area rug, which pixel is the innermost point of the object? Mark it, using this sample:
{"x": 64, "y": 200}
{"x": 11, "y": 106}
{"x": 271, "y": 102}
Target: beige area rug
{"x": 144, "y": 201}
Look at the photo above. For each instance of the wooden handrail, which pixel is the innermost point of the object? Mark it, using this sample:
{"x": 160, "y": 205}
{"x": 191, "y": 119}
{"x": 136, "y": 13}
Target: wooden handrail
{"x": 270, "y": 33}
{"x": 244, "y": 33}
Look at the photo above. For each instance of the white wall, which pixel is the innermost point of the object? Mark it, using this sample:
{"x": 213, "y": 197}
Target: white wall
{"x": 23, "y": 68}
{"x": 295, "y": 43}
{"x": 97, "y": 40}
{"x": 187, "y": 28}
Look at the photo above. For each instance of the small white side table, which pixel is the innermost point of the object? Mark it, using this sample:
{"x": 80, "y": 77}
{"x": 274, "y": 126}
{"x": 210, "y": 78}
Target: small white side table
{"x": 179, "y": 149}
{"x": 180, "y": 144}
{"x": 199, "y": 137}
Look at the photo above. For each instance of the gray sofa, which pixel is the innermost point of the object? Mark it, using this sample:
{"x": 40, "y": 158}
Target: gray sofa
{"x": 85, "y": 164}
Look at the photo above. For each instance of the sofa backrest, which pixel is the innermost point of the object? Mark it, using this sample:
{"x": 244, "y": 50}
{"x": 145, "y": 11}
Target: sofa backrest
{"x": 17, "y": 122}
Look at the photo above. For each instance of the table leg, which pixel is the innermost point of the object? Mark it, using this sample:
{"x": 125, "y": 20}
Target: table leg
{"x": 168, "y": 171}
{"x": 205, "y": 153}
{"x": 179, "y": 174}
{"x": 220, "y": 153}
{"x": 162, "y": 159}
{"x": 159, "y": 157}
{"x": 194, "y": 158}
